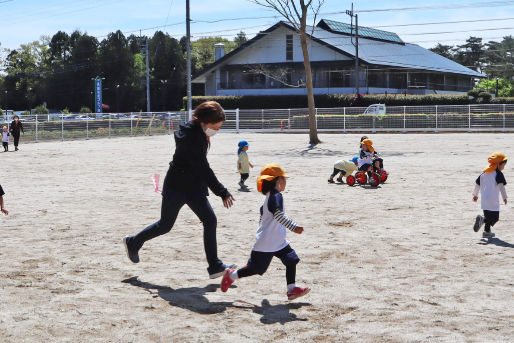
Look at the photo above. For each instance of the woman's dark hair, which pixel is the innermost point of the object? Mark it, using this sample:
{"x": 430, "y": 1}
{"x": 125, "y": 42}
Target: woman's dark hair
{"x": 267, "y": 186}
{"x": 502, "y": 162}
{"x": 363, "y": 138}
{"x": 209, "y": 112}
{"x": 15, "y": 116}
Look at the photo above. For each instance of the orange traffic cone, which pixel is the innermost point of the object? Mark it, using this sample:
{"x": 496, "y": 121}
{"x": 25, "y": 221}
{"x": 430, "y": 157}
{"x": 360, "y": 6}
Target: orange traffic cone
{"x": 281, "y": 125}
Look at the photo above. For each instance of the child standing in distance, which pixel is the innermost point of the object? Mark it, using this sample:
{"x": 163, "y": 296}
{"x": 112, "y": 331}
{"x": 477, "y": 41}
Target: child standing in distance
{"x": 4, "y": 211}
{"x": 5, "y": 139}
{"x": 490, "y": 183}
{"x": 345, "y": 168}
{"x": 243, "y": 164}
{"x": 271, "y": 235}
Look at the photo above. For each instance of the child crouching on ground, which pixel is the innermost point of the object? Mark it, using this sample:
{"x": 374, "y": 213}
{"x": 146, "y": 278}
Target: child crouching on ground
{"x": 344, "y": 168}
{"x": 490, "y": 183}
{"x": 271, "y": 235}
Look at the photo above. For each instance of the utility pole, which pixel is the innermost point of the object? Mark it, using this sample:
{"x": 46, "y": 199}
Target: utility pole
{"x": 147, "y": 77}
{"x": 188, "y": 40}
{"x": 356, "y": 44}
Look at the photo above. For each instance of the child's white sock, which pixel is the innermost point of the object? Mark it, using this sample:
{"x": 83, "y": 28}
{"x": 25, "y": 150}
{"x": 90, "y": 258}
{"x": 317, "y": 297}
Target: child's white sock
{"x": 290, "y": 287}
{"x": 234, "y": 276}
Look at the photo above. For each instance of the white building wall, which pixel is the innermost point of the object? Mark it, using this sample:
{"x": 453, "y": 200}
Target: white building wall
{"x": 272, "y": 49}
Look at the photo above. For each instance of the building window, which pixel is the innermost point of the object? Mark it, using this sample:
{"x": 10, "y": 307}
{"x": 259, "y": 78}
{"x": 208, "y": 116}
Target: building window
{"x": 289, "y": 47}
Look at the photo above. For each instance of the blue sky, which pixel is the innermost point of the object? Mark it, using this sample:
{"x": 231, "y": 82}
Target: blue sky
{"x": 23, "y": 21}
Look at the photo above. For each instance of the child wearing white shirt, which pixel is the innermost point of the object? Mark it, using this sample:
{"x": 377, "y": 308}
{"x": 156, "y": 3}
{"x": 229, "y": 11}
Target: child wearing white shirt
{"x": 490, "y": 184}
{"x": 5, "y": 139}
{"x": 271, "y": 235}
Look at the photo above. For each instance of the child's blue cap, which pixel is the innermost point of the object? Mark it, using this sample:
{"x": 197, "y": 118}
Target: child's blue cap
{"x": 355, "y": 159}
{"x": 242, "y": 144}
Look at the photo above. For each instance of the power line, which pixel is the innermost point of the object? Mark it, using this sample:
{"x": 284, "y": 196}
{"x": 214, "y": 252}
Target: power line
{"x": 448, "y": 6}
{"x": 443, "y": 22}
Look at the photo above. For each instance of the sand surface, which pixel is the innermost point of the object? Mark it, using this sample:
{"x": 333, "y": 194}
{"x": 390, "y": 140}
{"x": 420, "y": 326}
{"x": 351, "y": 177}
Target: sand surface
{"x": 399, "y": 263}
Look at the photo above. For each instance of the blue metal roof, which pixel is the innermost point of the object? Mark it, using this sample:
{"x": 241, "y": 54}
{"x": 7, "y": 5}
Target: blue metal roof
{"x": 349, "y": 30}
{"x": 391, "y": 54}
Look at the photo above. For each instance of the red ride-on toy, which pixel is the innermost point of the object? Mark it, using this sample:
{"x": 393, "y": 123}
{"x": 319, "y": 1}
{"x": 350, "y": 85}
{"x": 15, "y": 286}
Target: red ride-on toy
{"x": 362, "y": 178}
{"x": 383, "y": 175}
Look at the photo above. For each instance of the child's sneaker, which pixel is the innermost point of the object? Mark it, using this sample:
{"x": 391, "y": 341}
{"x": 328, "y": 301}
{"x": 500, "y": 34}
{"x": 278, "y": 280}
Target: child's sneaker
{"x": 241, "y": 184}
{"x": 226, "y": 281}
{"x": 479, "y": 221}
{"x": 340, "y": 180}
{"x": 330, "y": 181}
{"x": 297, "y": 292}
{"x": 220, "y": 270}
{"x": 488, "y": 234}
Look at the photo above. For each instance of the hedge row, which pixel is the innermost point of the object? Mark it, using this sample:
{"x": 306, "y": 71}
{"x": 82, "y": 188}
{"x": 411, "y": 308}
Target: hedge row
{"x": 328, "y": 101}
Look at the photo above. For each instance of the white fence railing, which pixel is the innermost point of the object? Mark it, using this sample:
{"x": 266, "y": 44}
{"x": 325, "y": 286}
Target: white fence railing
{"x": 468, "y": 118}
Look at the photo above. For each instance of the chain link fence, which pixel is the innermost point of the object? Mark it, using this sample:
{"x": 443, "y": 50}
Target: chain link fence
{"x": 467, "y": 118}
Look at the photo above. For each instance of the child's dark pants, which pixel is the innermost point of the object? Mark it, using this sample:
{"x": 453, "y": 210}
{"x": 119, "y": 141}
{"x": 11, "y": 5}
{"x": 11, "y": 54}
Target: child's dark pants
{"x": 259, "y": 262}
{"x": 6, "y": 146}
{"x": 336, "y": 171}
{"x": 244, "y": 177}
{"x": 490, "y": 218}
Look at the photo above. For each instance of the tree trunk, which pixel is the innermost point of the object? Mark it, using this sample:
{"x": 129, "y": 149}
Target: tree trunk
{"x": 313, "y": 130}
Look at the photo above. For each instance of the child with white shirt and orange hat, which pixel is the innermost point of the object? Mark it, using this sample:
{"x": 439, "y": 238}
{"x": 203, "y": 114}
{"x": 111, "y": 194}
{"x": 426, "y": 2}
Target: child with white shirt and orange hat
{"x": 490, "y": 184}
{"x": 271, "y": 235}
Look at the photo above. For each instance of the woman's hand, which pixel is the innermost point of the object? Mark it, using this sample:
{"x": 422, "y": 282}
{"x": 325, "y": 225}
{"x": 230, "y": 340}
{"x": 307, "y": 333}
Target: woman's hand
{"x": 475, "y": 198}
{"x": 4, "y": 211}
{"x": 228, "y": 201}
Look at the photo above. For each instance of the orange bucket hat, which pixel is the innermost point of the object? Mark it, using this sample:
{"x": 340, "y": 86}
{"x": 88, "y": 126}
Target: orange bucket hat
{"x": 369, "y": 143}
{"x": 494, "y": 159}
{"x": 268, "y": 173}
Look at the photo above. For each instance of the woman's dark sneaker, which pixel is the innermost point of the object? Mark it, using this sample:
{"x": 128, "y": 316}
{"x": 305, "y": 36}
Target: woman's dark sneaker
{"x": 132, "y": 253}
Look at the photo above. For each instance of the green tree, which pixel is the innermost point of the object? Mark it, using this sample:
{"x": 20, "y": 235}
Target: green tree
{"x": 202, "y": 51}
{"x": 443, "y": 50}
{"x": 471, "y": 54}
{"x": 240, "y": 39}
{"x": 168, "y": 72}
{"x": 505, "y": 87}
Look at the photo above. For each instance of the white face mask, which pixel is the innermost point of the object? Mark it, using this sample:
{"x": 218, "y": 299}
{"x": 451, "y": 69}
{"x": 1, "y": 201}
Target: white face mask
{"x": 210, "y": 132}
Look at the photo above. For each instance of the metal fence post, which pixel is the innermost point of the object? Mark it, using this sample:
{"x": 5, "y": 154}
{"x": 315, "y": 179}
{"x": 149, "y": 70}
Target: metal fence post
{"x": 62, "y": 127}
{"x": 469, "y": 118}
{"x": 289, "y": 119}
{"x": 237, "y": 120}
{"x": 87, "y": 126}
{"x": 436, "y": 118}
{"x": 316, "y": 117}
{"x": 503, "y": 117}
{"x": 344, "y": 119}
{"x": 131, "y": 120}
{"x": 36, "y": 129}
{"x": 169, "y": 123}
{"x": 262, "y": 119}
{"x": 109, "y": 125}
{"x": 404, "y": 119}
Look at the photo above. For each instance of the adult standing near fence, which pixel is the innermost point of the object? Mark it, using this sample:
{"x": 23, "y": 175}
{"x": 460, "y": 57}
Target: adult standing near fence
{"x": 186, "y": 183}
{"x": 15, "y": 128}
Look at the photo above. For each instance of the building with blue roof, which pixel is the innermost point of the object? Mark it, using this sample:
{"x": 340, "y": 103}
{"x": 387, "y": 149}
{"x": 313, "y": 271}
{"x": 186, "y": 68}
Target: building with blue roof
{"x": 271, "y": 63}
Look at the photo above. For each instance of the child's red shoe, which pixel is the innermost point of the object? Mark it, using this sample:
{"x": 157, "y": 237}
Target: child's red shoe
{"x": 297, "y": 292}
{"x": 226, "y": 281}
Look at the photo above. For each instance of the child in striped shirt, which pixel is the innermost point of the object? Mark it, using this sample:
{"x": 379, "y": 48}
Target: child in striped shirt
{"x": 271, "y": 235}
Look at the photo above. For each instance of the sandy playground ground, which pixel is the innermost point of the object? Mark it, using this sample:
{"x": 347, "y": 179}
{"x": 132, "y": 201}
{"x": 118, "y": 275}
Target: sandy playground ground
{"x": 399, "y": 263}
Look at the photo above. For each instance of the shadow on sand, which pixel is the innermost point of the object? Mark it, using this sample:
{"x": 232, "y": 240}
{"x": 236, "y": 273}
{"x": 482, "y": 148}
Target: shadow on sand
{"x": 194, "y": 299}
{"x": 495, "y": 241}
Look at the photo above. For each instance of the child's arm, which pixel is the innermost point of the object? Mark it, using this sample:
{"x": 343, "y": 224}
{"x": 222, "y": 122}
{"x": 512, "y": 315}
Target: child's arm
{"x": 4, "y": 211}
{"x": 500, "y": 180}
{"x": 503, "y": 192}
{"x": 477, "y": 189}
{"x": 275, "y": 206}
